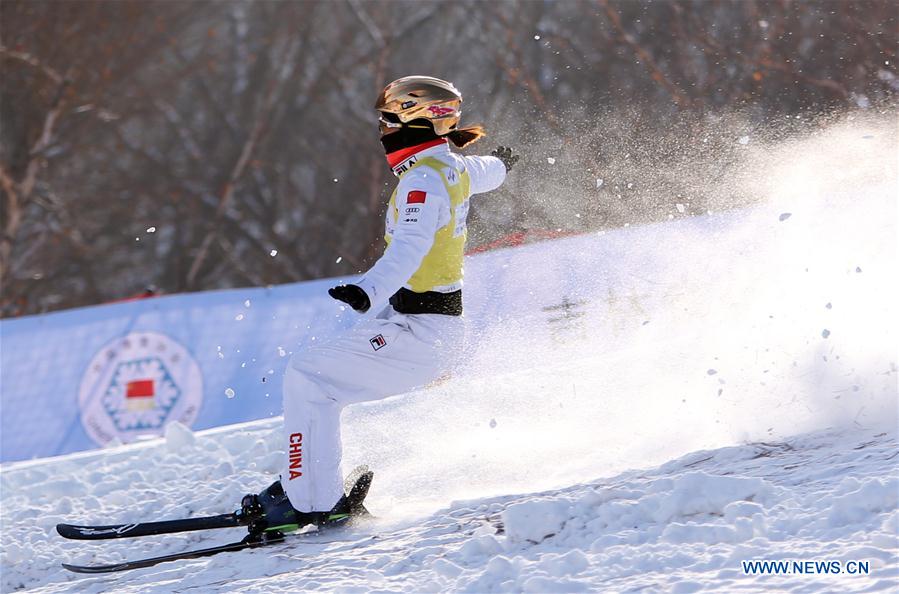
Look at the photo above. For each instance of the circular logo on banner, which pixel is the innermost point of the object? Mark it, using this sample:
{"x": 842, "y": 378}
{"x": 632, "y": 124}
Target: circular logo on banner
{"x": 137, "y": 384}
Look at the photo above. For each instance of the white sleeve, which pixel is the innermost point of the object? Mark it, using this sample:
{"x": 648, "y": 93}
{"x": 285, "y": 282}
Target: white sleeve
{"x": 420, "y": 198}
{"x": 486, "y": 173}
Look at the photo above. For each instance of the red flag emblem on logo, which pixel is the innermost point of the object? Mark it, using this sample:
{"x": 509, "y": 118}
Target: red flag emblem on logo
{"x": 139, "y": 389}
{"x": 416, "y": 197}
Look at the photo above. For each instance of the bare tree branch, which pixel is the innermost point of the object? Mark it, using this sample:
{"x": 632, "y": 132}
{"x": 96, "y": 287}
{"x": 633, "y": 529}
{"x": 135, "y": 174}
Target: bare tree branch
{"x": 27, "y": 58}
{"x": 644, "y": 56}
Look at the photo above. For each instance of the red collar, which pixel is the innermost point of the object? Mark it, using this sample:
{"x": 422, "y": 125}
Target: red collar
{"x": 397, "y": 157}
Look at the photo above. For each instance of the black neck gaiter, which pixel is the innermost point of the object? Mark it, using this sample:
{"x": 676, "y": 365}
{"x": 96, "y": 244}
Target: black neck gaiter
{"x": 406, "y": 137}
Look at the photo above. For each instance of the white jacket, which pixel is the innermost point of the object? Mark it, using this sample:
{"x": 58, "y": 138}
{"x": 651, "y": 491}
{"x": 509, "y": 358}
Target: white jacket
{"x": 413, "y": 236}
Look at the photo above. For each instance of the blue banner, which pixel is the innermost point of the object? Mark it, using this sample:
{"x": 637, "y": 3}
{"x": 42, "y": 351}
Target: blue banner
{"x": 88, "y": 377}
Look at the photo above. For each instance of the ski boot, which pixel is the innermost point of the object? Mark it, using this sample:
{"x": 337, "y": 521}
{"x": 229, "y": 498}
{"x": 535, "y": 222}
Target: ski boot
{"x": 271, "y": 514}
{"x": 271, "y": 511}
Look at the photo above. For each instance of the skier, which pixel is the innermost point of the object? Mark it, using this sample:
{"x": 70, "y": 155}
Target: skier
{"x": 415, "y": 288}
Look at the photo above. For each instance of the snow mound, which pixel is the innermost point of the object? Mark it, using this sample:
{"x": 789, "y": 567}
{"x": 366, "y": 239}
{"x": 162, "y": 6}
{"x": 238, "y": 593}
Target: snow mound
{"x": 178, "y": 437}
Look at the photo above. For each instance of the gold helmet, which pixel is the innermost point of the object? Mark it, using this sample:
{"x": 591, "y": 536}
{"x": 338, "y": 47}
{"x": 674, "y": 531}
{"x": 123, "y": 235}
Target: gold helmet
{"x": 419, "y": 98}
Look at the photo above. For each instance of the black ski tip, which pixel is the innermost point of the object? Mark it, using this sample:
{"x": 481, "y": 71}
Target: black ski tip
{"x": 94, "y": 568}
{"x": 98, "y": 532}
{"x": 360, "y": 490}
{"x": 147, "y": 528}
{"x": 353, "y": 477}
{"x": 76, "y": 532}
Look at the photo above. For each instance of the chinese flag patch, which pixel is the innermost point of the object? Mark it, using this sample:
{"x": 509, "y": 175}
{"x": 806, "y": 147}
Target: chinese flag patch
{"x": 416, "y": 197}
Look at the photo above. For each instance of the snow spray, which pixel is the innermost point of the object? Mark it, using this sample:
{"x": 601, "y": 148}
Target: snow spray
{"x": 771, "y": 313}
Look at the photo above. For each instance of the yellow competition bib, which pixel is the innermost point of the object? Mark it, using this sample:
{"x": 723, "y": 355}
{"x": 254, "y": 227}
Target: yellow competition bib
{"x": 441, "y": 269}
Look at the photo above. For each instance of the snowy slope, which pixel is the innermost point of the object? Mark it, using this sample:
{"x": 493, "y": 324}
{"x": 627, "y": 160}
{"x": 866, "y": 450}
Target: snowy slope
{"x": 682, "y": 526}
{"x": 743, "y": 406}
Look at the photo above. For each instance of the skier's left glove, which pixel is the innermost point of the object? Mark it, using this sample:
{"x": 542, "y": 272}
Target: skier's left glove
{"x": 504, "y": 154}
{"x": 352, "y": 295}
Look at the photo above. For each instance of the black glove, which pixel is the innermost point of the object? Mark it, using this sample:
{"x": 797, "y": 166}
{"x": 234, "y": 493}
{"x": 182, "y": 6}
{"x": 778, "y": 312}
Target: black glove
{"x": 505, "y": 155}
{"x": 352, "y": 295}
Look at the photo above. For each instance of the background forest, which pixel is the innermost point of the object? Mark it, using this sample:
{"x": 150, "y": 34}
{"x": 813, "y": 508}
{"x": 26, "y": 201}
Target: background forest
{"x": 190, "y": 145}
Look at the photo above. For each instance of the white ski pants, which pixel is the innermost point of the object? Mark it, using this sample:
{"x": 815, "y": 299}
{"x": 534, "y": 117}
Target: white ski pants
{"x": 378, "y": 357}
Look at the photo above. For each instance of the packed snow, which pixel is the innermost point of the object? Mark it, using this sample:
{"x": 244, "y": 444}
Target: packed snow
{"x": 683, "y": 526}
{"x": 744, "y": 410}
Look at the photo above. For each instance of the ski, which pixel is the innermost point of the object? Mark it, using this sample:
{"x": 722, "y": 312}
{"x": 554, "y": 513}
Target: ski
{"x": 354, "y": 509}
{"x": 249, "y": 542}
{"x": 246, "y": 543}
{"x": 148, "y": 528}
{"x": 136, "y": 529}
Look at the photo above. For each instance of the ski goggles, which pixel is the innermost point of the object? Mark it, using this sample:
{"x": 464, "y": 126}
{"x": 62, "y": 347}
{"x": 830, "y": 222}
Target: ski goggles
{"x": 391, "y": 121}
